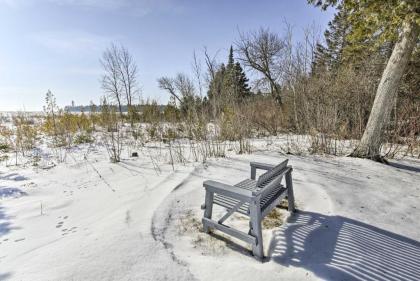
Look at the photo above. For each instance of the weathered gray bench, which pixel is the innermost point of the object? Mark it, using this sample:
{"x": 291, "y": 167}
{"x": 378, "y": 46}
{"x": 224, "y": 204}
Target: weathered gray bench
{"x": 250, "y": 197}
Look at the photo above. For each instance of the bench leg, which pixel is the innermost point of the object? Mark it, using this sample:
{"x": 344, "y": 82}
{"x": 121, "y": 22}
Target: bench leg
{"x": 208, "y": 209}
{"x": 253, "y": 172}
{"x": 256, "y": 231}
{"x": 290, "y": 195}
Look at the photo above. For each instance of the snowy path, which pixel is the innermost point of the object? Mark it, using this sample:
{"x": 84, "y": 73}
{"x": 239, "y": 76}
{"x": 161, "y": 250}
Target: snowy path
{"x": 124, "y": 225}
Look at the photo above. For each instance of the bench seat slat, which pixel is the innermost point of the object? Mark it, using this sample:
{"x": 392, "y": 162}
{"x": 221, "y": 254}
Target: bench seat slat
{"x": 248, "y": 184}
{"x": 229, "y": 201}
{"x": 226, "y": 202}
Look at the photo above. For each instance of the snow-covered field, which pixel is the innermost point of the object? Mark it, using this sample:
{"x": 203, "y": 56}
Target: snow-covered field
{"x": 93, "y": 220}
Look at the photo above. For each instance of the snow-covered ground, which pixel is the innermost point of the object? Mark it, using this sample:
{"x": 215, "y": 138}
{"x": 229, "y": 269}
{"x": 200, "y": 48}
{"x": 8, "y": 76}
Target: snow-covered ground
{"x": 93, "y": 220}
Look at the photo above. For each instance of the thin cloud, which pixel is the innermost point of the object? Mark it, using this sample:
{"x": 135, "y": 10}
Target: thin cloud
{"x": 107, "y": 4}
{"x": 85, "y": 3}
{"x": 71, "y": 41}
{"x": 143, "y": 7}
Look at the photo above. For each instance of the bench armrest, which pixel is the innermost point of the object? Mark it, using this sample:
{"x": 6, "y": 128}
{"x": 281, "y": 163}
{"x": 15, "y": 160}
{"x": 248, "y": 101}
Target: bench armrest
{"x": 261, "y": 166}
{"x": 228, "y": 190}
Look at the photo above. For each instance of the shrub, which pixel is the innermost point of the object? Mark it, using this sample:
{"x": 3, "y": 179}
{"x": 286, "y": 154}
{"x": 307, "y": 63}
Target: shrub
{"x": 83, "y": 138}
{"x": 4, "y": 147}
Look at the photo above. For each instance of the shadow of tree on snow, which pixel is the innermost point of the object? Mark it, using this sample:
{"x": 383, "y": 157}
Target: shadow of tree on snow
{"x": 11, "y": 192}
{"x": 339, "y": 248}
{"x": 13, "y": 177}
{"x": 5, "y": 224}
{"x": 5, "y": 276}
{"x": 5, "y": 228}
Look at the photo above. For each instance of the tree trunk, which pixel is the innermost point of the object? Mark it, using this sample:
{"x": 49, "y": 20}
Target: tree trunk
{"x": 372, "y": 138}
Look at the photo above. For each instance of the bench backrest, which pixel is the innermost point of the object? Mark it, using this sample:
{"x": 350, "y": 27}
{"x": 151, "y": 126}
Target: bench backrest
{"x": 271, "y": 179}
{"x": 265, "y": 178}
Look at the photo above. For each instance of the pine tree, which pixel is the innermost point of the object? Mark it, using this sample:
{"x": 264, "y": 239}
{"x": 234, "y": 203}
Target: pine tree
{"x": 321, "y": 59}
{"x": 241, "y": 82}
{"x": 215, "y": 88}
{"x": 230, "y": 83}
{"x": 329, "y": 57}
{"x": 231, "y": 61}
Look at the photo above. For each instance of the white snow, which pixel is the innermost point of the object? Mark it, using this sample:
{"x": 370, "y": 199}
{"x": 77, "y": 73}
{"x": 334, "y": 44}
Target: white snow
{"x": 93, "y": 220}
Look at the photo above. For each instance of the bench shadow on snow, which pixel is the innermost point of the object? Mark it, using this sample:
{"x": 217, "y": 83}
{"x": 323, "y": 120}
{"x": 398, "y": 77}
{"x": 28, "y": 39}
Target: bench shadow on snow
{"x": 339, "y": 248}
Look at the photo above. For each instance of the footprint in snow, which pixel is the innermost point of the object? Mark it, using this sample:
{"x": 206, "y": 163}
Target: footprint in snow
{"x": 21, "y": 239}
{"x": 69, "y": 230}
{"x": 60, "y": 224}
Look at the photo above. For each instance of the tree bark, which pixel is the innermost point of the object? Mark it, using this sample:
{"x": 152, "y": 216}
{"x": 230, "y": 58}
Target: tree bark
{"x": 372, "y": 138}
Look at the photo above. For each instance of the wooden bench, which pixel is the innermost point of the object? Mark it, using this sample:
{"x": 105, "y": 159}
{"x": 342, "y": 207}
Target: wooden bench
{"x": 250, "y": 197}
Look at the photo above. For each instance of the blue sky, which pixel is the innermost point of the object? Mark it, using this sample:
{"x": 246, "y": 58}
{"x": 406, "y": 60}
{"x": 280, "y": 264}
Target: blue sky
{"x": 57, "y": 44}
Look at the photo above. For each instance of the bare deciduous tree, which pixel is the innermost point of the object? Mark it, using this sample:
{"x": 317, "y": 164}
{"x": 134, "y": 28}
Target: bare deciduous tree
{"x": 198, "y": 73}
{"x": 128, "y": 74}
{"x": 120, "y": 78}
{"x": 111, "y": 80}
{"x": 180, "y": 87}
{"x": 211, "y": 64}
{"x": 262, "y": 51}
{"x": 184, "y": 85}
{"x": 168, "y": 84}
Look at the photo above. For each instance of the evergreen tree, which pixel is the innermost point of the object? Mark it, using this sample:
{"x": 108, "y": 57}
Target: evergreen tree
{"x": 231, "y": 61}
{"x": 329, "y": 57}
{"x": 241, "y": 82}
{"x": 230, "y": 83}
{"x": 321, "y": 59}
{"x": 216, "y": 84}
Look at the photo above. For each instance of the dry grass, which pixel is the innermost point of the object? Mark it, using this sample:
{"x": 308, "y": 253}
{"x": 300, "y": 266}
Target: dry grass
{"x": 284, "y": 204}
{"x": 190, "y": 225}
{"x": 273, "y": 219}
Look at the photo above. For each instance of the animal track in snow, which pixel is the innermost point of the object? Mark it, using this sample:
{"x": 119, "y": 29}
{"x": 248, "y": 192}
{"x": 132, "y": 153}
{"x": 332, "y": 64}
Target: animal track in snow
{"x": 67, "y": 230}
